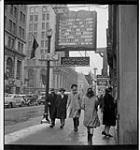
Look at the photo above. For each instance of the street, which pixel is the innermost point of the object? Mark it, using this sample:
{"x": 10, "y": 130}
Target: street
{"x": 17, "y": 118}
{"x": 32, "y": 132}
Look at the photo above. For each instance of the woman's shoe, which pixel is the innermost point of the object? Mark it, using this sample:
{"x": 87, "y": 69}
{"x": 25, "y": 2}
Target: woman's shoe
{"x": 104, "y": 133}
{"x": 109, "y": 135}
{"x": 62, "y": 126}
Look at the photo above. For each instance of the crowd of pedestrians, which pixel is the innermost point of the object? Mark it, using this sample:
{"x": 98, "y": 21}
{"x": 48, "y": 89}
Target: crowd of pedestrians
{"x": 89, "y": 103}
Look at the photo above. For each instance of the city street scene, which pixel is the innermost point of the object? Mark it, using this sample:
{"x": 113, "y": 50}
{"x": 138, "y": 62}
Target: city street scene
{"x": 70, "y": 74}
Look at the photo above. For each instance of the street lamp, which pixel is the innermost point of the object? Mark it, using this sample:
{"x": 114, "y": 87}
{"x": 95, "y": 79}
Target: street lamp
{"x": 45, "y": 116}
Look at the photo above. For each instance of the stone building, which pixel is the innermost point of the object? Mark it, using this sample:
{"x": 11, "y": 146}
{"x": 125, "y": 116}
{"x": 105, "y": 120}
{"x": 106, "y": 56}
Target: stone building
{"x": 40, "y": 19}
{"x": 14, "y": 47}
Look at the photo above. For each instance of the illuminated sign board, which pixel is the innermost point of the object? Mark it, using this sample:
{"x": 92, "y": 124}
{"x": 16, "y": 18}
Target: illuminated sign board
{"x": 77, "y": 31}
{"x": 75, "y": 61}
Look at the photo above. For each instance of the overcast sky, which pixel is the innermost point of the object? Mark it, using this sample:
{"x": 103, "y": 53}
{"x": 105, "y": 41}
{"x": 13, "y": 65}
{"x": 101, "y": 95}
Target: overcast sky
{"x": 102, "y": 22}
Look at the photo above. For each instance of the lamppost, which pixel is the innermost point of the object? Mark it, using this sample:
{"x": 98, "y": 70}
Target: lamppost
{"x": 45, "y": 116}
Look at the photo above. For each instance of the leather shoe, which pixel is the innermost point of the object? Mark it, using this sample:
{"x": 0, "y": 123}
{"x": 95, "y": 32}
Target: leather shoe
{"x": 104, "y": 133}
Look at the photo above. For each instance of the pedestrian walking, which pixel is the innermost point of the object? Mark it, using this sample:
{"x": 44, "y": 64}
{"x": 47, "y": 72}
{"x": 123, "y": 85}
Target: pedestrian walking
{"x": 90, "y": 107}
{"x": 109, "y": 112}
{"x": 52, "y": 106}
{"x": 74, "y": 103}
{"x": 61, "y": 103}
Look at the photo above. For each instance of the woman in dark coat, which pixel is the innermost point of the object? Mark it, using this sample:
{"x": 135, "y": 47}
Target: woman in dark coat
{"x": 52, "y": 107}
{"x": 61, "y": 107}
{"x": 109, "y": 115}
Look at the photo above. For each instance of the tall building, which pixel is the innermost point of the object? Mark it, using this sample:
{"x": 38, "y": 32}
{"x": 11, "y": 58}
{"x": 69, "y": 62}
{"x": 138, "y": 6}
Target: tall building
{"x": 40, "y": 18}
{"x": 14, "y": 47}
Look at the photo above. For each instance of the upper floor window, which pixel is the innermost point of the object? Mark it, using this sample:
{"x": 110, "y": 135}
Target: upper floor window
{"x": 31, "y": 17}
{"x": 48, "y": 16}
{"x": 43, "y": 16}
{"x": 31, "y": 9}
{"x": 36, "y": 17}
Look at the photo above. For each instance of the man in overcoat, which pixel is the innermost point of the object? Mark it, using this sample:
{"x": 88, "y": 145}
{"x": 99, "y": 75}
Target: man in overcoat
{"x": 52, "y": 107}
{"x": 74, "y": 102}
{"x": 61, "y": 107}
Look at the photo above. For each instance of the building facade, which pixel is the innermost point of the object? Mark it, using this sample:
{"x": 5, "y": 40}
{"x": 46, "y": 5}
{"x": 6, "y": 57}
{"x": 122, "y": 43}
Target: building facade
{"x": 122, "y": 60}
{"x": 14, "y": 47}
{"x": 41, "y": 18}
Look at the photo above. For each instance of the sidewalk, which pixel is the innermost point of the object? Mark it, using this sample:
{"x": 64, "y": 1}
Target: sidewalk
{"x": 42, "y": 134}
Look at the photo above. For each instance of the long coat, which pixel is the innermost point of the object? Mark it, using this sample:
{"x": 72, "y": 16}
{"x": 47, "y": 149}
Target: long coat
{"x": 90, "y": 112}
{"x": 109, "y": 108}
{"x": 74, "y": 102}
{"x": 61, "y": 106}
{"x": 52, "y": 105}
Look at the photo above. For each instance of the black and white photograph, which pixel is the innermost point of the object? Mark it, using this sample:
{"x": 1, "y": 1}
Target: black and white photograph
{"x": 70, "y": 74}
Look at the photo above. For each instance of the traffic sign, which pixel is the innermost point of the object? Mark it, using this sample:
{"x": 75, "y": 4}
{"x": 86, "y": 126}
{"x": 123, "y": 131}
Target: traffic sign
{"x": 50, "y": 57}
{"x": 75, "y": 61}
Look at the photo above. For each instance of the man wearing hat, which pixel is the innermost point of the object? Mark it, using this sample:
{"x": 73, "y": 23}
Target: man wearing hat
{"x": 52, "y": 106}
{"x": 61, "y": 107}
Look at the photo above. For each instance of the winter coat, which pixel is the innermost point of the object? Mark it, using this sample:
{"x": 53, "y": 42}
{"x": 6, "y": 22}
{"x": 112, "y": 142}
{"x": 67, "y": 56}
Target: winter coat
{"x": 109, "y": 110}
{"x": 90, "y": 112}
{"x": 61, "y": 106}
{"x": 52, "y": 105}
{"x": 74, "y": 104}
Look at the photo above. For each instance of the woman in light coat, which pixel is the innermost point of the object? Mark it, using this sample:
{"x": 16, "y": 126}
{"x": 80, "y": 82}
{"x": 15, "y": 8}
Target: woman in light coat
{"x": 91, "y": 120}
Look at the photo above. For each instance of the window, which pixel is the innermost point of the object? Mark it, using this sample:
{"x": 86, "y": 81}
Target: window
{"x": 11, "y": 42}
{"x": 15, "y": 12}
{"x": 44, "y": 9}
{"x": 47, "y": 26}
{"x": 31, "y": 17}
{"x": 46, "y": 43}
{"x": 48, "y": 16}
{"x": 18, "y": 69}
{"x": 43, "y": 16}
{"x": 31, "y": 9}
{"x": 43, "y": 35}
{"x": 43, "y": 25}
{"x": 36, "y": 9}
{"x": 14, "y": 28}
{"x": 36, "y": 18}
{"x": 10, "y": 25}
{"x": 42, "y": 43}
{"x": 23, "y": 33}
{"x": 35, "y": 27}
{"x": 21, "y": 16}
{"x": 20, "y": 47}
{"x": 30, "y": 27}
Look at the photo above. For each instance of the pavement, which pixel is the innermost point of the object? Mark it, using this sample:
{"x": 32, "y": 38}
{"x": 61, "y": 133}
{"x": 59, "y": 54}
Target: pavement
{"x": 34, "y": 133}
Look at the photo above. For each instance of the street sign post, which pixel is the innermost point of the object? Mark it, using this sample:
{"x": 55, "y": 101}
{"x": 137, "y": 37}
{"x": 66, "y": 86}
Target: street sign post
{"x": 75, "y": 61}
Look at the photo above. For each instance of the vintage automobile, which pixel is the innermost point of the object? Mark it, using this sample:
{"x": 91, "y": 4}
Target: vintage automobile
{"x": 31, "y": 100}
{"x": 13, "y": 100}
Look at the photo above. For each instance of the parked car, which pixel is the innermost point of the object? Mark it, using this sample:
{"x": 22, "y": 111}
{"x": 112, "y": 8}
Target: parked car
{"x": 31, "y": 100}
{"x": 13, "y": 100}
{"x": 41, "y": 100}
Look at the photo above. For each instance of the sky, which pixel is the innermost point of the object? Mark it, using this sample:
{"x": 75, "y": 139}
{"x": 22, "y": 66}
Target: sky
{"x": 96, "y": 60}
